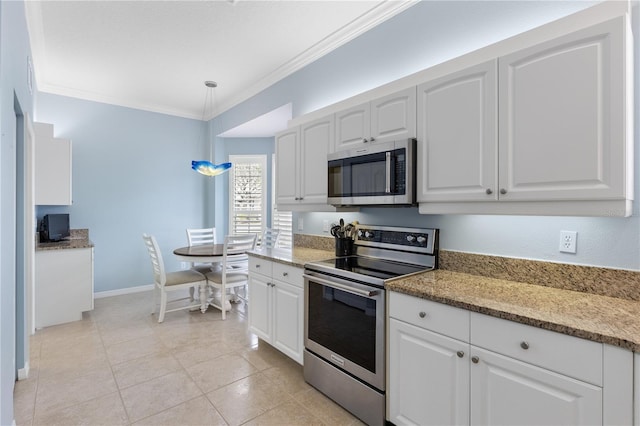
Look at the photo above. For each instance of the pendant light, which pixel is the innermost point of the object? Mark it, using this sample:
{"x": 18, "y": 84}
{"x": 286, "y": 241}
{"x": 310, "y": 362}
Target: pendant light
{"x": 205, "y": 167}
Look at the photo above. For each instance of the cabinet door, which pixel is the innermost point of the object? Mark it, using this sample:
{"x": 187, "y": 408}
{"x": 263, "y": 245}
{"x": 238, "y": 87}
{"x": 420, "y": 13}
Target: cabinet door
{"x": 429, "y": 377}
{"x": 316, "y": 138}
{"x": 393, "y": 117}
{"x": 260, "y": 306}
{"x": 457, "y": 136}
{"x": 63, "y": 285}
{"x": 52, "y": 167}
{"x": 562, "y": 117}
{"x": 353, "y": 127}
{"x": 288, "y": 319}
{"x": 505, "y": 391}
{"x": 287, "y": 159}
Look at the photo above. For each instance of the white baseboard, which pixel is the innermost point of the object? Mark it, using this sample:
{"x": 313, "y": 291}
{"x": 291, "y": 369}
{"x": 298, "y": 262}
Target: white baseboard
{"x": 121, "y": 291}
{"x": 23, "y": 373}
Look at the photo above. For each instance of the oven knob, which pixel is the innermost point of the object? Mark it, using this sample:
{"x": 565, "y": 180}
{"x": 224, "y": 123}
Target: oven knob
{"x": 368, "y": 234}
{"x": 360, "y": 233}
{"x": 411, "y": 238}
{"x": 422, "y": 239}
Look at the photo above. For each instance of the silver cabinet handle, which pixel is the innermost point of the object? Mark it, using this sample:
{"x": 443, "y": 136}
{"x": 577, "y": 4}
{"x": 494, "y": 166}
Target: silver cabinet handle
{"x": 422, "y": 314}
{"x": 460, "y": 354}
{"x": 524, "y": 345}
{"x": 258, "y": 265}
{"x": 387, "y": 183}
{"x": 364, "y": 140}
{"x": 489, "y": 191}
{"x": 285, "y": 274}
{"x": 475, "y": 359}
{"x": 371, "y": 139}
{"x": 503, "y": 191}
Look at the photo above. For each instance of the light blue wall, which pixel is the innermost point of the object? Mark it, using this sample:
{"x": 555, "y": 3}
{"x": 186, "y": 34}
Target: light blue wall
{"x": 14, "y": 51}
{"x": 426, "y": 34}
{"x": 131, "y": 174}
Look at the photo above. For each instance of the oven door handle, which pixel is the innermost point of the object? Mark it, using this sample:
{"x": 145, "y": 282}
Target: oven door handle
{"x": 345, "y": 288}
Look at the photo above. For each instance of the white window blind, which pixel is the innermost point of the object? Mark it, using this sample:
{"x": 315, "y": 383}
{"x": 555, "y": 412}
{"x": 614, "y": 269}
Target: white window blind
{"x": 247, "y": 194}
{"x": 280, "y": 220}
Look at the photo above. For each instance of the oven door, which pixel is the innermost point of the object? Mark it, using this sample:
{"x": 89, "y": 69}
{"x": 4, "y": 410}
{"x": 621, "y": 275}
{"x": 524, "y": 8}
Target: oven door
{"x": 344, "y": 324}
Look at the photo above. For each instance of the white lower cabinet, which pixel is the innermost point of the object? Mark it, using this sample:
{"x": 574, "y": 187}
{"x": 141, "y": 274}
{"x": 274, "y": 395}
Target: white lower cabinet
{"x": 506, "y": 391}
{"x": 429, "y": 377}
{"x": 63, "y": 285}
{"x": 500, "y": 373}
{"x": 276, "y": 303}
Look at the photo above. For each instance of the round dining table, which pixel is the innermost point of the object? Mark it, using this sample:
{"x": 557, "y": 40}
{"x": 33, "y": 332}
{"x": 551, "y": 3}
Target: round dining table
{"x": 207, "y": 253}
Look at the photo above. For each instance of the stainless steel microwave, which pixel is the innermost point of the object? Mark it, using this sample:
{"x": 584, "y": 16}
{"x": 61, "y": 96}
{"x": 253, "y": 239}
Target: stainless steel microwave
{"x": 376, "y": 174}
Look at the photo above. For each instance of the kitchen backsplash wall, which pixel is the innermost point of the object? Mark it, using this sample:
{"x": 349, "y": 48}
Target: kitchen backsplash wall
{"x": 610, "y": 282}
{"x": 601, "y": 241}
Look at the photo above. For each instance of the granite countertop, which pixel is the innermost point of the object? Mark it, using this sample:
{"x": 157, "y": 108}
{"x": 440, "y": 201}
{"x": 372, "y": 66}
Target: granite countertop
{"x": 65, "y": 244}
{"x": 79, "y": 238}
{"x": 298, "y": 256}
{"x": 561, "y": 305}
{"x": 594, "y": 317}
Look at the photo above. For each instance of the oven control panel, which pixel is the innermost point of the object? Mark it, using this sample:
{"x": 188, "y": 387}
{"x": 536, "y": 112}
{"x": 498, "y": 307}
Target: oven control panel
{"x": 412, "y": 239}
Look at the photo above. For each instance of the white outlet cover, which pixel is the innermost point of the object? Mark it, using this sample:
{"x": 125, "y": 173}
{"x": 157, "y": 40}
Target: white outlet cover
{"x": 568, "y": 241}
{"x": 300, "y": 224}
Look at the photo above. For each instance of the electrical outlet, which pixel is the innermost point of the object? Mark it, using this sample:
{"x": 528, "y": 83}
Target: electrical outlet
{"x": 300, "y": 224}
{"x": 325, "y": 226}
{"x": 568, "y": 241}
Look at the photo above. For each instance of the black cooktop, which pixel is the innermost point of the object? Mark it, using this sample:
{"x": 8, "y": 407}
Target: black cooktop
{"x": 355, "y": 267}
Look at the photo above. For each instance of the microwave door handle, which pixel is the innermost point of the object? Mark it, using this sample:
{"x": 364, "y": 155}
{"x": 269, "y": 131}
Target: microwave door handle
{"x": 387, "y": 183}
{"x": 342, "y": 287}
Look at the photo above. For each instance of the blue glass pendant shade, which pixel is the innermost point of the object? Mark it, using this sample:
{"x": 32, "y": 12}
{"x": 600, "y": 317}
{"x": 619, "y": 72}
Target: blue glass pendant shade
{"x": 207, "y": 168}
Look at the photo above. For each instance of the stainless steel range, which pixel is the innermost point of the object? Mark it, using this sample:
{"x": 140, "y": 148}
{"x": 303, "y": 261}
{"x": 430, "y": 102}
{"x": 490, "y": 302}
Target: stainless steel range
{"x": 344, "y": 331}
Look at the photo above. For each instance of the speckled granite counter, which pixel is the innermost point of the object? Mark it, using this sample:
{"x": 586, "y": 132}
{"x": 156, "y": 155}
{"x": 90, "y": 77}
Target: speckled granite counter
{"x": 598, "y": 304}
{"x": 296, "y": 257}
{"x": 79, "y": 238}
{"x": 599, "y": 318}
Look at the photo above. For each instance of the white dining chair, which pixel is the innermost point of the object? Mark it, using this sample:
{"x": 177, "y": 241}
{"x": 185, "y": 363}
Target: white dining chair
{"x": 165, "y": 282}
{"x": 227, "y": 277}
{"x": 197, "y": 237}
{"x": 269, "y": 238}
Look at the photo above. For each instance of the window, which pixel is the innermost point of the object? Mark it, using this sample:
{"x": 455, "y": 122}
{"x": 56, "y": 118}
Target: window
{"x": 247, "y": 194}
{"x": 280, "y": 220}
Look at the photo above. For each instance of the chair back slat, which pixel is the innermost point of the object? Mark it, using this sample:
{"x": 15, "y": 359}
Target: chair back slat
{"x": 199, "y": 236}
{"x": 156, "y": 259}
{"x": 239, "y": 243}
{"x": 269, "y": 238}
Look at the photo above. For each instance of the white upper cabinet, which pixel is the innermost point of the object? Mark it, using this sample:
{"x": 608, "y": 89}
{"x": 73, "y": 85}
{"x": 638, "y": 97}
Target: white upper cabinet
{"x": 52, "y": 167}
{"x": 564, "y": 139}
{"x": 287, "y": 163}
{"x": 388, "y": 118}
{"x": 301, "y": 166}
{"x": 458, "y": 136}
{"x": 562, "y": 121}
{"x": 316, "y": 140}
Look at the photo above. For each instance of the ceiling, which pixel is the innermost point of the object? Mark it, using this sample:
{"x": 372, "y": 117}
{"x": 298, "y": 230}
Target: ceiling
{"x": 156, "y": 55}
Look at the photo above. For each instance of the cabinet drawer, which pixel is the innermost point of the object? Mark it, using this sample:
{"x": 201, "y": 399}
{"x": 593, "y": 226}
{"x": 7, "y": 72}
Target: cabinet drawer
{"x": 260, "y": 266}
{"x": 568, "y": 355}
{"x": 289, "y": 274}
{"x": 437, "y": 317}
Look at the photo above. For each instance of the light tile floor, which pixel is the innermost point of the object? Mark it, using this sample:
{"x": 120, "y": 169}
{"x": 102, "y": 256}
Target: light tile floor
{"x": 118, "y": 366}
